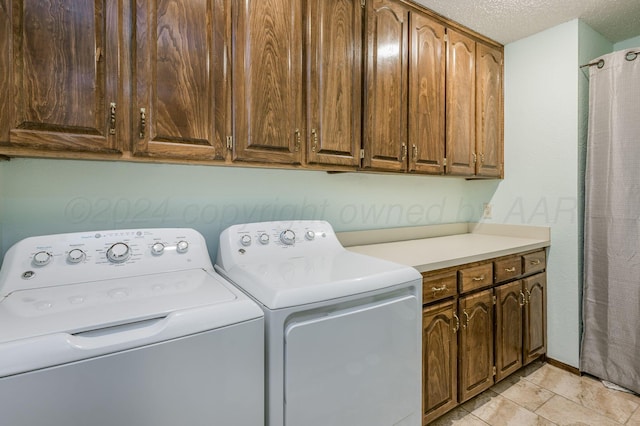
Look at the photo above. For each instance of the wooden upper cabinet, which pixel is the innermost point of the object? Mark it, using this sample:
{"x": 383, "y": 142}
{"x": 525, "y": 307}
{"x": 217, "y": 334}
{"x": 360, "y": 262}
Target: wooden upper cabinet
{"x": 461, "y": 104}
{"x": 179, "y": 108}
{"x": 268, "y": 124}
{"x": 385, "y": 110}
{"x": 334, "y": 82}
{"x": 426, "y": 95}
{"x": 489, "y": 111}
{"x": 59, "y": 69}
{"x": 476, "y": 344}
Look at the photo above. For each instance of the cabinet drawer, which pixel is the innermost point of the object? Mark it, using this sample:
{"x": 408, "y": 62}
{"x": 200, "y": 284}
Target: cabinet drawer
{"x": 438, "y": 286}
{"x": 506, "y": 269}
{"x": 475, "y": 277}
{"x": 533, "y": 262}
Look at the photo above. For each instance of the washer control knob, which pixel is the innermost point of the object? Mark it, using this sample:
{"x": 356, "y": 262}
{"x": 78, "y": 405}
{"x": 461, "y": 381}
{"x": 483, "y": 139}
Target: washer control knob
{"x": 264, "y": 239}
{"x": 310, "y": 235}
{"x": 157, "y": 249}
{"x": 76, "y": 256}
{"x": 245, "y": 240}
{"x": 288, "y": 237}
{"x": 182, "y": 246}
{"x": 42, "y": 258}
{"x": 118, "y": 253}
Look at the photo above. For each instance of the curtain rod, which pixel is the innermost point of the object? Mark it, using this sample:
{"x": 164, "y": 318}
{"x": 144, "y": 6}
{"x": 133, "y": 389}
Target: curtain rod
{"x": 630, "y": 56}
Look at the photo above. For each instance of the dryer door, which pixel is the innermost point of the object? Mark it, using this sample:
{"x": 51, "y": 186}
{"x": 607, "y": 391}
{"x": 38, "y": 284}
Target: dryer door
{"x": 356, "y": 366}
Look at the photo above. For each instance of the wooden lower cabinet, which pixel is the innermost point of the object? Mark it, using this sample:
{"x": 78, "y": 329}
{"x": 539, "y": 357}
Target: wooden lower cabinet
{"x": 440, "y": 324}
{"x": 494, "y": 324}
{"x": 476, "y": 343}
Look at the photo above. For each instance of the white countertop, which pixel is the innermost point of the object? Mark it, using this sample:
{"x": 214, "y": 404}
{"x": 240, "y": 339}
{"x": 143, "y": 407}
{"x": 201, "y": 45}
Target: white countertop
{"x": 478, "y": 243}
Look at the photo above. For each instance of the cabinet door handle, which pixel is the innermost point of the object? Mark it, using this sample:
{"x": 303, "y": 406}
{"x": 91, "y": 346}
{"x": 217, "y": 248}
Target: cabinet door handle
{"x": 457, "y": 326}
{"x": 523, "y": 300}
{"x": 535, "y": 262}
{"x": 314, "y": 136}
{"x": 528, "y": 295}
{"x": 297, "y": 143}
{"x": 143, "y": 122}
{"x": 415, "y": 152}
{"x": 481, "y": 158}
{"x": 480, "y": 278}
{"x": 512, "y": 269}
{"x": 404, "y": 151}
{"x": 112, "y": 118}
{"x": 475, "y": 158}
{"x": 466, "y": 315}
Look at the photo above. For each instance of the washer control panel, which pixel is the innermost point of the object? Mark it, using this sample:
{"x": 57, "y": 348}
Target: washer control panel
{"x": 54, "y": 260}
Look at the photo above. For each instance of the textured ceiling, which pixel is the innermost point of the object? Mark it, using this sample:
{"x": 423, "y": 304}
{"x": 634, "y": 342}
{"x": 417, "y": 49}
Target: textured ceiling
{"x": 510, "y": 20}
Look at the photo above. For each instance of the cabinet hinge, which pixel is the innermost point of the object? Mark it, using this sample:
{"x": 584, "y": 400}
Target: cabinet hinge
{"x": 229, "y": 142}
{"x": 495, "y": 300}
{"x": 494, "y": 370}
{"x": 361, "y": 154}
{"x": 446, "y": 38}
{"x": 363, "y": 3}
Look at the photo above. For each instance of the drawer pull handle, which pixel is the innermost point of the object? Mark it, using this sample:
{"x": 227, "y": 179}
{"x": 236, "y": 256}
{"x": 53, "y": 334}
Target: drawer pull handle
{"x": 524, "y": 299}
{"x": 439, "y": 289}
{"x": 512, "y": 269}
{"x": 480, "y": 278}
{"x": 535, "y": 262}
{"x": 457, "y": 327}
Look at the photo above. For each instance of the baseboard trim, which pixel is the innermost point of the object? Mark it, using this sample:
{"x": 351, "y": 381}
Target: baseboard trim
{"x": 563, "y": 366}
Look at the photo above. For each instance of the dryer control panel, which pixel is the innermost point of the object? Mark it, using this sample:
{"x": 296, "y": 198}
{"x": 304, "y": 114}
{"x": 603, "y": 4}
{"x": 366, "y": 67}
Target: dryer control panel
{"x": 54, "y": 260}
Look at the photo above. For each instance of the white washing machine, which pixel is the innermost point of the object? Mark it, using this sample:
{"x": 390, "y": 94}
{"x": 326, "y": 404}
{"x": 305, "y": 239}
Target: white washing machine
{"x": 343, "y": 330}
{"x": 127, "y": 327}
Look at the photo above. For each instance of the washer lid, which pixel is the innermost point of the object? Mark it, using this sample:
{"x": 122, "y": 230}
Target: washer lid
{"x": 308, "y": 279}
{"x": 78, "y": 308}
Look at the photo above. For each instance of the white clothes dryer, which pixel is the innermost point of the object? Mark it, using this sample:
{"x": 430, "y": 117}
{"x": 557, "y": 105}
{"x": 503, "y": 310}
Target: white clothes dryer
{"x": 343, "y": 330}
{"x": 127, "y": 327}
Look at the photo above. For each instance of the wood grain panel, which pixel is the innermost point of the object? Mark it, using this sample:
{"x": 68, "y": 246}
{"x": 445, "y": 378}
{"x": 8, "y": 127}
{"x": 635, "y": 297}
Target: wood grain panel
{"x": 335, "y": 80}
{"x": 63, "y": 67}
{"x": 489, "y": 111}
{"x": 476, "y": 344}
{"x": 461, "y": 104}
{"x": 386, "y": 76}
{"x": 5, "y": 66}
{"x": 267, "y": 69}
{"x": 440, "y": 360}
{"x": 535, "y": 342}
{"x": 426, "y": 95}
{"x": 180, "y": 78}
{"x": 508, "y": 328}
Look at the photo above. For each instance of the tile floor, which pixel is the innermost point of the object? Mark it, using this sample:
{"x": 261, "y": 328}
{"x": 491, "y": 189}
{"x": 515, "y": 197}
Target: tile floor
{"x": 542, "y": 394}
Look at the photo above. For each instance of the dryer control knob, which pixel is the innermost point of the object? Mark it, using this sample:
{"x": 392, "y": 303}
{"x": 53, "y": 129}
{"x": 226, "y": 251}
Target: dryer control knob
{"x": 264, "y": 239}
{"x": 288, "y": 237}
{"x": 245, "y": 240}
{"x": 76, "y": 256}
{"x": 118, "y": 253}
{"x": 182, "y": 246}
{"x": 157, "y": 249}
{"x": 42, "y": 258}
{"x": 310, "y": 235}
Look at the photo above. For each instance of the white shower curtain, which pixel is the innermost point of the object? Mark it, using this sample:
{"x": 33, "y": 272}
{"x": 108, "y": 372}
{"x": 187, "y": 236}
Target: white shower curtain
{"x": 611, "y": 293}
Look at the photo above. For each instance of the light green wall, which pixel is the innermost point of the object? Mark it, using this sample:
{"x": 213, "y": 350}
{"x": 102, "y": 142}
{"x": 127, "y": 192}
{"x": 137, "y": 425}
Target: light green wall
{"x": 53, "y": 196}
{"x": 628, "y": 44}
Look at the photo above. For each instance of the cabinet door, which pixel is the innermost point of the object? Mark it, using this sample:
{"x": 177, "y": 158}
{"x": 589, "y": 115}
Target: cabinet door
{"x": 179, "y": 109}
{"x": 489, "y": 111}
{"x": 476, "y": 344}
{"x": 426, "y": 95}
{"x": 335, "y": 80}
{"x": 440, "y": 358}
{"x": 385, "y": 117}
{"x": 535, "y": 341}
{"x": 59, "y": 75}
{"x": 267, "y": 81}
{"x": 461, "y": 104}
{"x": 509, "y": 302}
